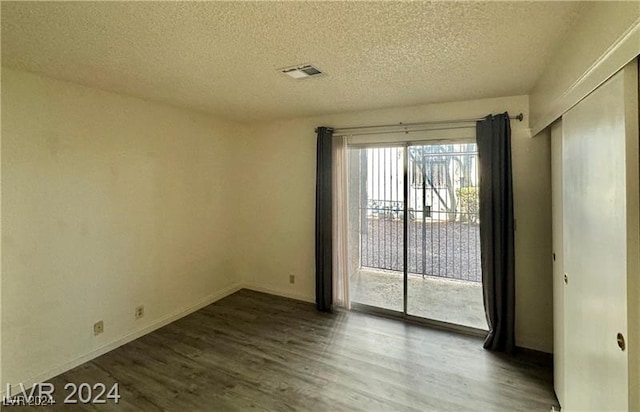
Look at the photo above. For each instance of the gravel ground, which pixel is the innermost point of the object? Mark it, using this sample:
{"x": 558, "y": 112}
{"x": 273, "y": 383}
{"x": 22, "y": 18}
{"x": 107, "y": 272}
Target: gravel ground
{"x": 452, "y": 249}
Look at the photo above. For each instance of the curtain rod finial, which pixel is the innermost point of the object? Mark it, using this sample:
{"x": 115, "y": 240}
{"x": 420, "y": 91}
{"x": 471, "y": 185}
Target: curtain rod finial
{"x": 520, "y": 117}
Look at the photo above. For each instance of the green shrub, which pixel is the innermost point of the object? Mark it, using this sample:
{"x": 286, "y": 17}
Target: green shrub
{"x": 469, "y": 203}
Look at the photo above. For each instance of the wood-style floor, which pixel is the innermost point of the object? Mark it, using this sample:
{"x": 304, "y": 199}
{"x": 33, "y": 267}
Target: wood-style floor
{"x": 261, "y": 352}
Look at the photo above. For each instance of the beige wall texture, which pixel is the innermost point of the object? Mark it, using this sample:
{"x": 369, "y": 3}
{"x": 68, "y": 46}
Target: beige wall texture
{"x": 276, "y": 199}
{"x": 604, "y": 39}
{"x": 109, "y": 202}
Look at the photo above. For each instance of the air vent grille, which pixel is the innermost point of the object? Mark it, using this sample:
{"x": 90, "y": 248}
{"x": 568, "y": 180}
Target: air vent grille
{"x": 303, "y": 71}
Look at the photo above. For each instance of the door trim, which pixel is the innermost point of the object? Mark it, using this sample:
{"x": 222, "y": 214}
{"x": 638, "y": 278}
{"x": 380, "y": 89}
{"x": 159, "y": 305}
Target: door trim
{"x": 435, "y": 324}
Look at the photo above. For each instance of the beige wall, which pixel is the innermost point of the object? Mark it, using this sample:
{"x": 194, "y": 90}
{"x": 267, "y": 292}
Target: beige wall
{"x": 275, "y": 236}
{"x": 111, "y": 202}
{"x": 604, "y": 39}
{"x": 534, "y": 265}
{"x": 108, "y": 202}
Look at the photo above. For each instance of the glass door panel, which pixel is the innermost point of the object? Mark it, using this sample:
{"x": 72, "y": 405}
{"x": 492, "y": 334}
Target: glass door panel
{"x": 376, "y": 226}
{"x": 443, "y": 237}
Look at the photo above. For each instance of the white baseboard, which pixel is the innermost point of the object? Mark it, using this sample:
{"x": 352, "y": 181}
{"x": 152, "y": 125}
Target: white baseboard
{"x": 528, "y": 342}
{"x": 278, "y": 292}
{"x": 214, "y": 297}
{"x": 165, "y": 320}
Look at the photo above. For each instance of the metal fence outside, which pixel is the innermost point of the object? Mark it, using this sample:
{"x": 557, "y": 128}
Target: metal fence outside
{"x": 443, "y": 223}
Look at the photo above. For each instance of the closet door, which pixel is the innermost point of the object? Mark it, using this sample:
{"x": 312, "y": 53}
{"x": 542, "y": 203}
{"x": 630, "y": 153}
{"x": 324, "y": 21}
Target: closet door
{"x": 558, "y": 265}
{"x": 598, "y": 179}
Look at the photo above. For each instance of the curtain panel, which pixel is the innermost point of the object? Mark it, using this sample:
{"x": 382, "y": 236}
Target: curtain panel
{"x": 324, "y": 220}
{"x": 493, "y": 136}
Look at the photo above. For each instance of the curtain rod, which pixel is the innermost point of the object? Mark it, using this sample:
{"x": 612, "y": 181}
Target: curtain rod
{"x": 339, "y": 130}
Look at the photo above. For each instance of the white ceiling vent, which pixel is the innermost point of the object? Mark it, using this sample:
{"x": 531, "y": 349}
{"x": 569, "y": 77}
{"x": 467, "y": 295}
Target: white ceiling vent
{"x": 301, "y": 72}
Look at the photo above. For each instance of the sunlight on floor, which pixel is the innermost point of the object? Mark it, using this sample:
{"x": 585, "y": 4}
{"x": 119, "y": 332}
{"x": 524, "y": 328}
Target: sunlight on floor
{"x": 440, "y": 299}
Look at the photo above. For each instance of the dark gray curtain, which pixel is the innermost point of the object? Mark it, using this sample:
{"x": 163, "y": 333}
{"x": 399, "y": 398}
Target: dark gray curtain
{"x": 493, "y": 136}
{"x": 324, "y": 244}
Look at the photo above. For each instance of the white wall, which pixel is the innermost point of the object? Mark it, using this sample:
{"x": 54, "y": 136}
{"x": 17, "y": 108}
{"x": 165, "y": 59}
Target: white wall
{"x": 108, "y": 202}
{"x": 111, "y": 202}
{"x": 604, "y": 39}
{"x": 275, "y": 237}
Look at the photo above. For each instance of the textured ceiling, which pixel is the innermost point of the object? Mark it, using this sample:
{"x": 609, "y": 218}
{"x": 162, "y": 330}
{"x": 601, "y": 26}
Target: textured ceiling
{"x": 222, "y": 57}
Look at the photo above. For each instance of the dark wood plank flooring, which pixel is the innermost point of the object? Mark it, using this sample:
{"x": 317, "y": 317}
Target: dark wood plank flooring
{"x": 261, "y": 352}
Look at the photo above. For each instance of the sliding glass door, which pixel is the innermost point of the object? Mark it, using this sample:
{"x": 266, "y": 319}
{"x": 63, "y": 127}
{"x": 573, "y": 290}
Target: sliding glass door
{"x": 414, "y": 235}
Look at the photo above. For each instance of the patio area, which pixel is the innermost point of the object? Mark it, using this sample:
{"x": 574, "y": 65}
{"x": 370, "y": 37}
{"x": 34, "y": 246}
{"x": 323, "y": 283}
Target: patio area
{"x": 442, "y": 299}
{"x": 443, "y": 260}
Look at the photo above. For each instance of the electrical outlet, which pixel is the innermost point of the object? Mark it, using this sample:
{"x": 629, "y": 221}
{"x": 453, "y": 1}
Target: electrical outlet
{"x": 98, "y": 328}
{"x": 139, "y": 311}
{"x": 292, "y": 278}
